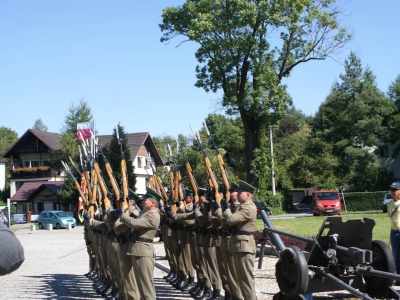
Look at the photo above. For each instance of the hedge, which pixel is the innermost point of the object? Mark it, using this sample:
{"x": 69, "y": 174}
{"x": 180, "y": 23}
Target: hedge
{"x": 363, "y": 201}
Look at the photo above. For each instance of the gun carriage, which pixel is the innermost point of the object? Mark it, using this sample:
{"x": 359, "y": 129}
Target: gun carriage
{"x": 342, "y": 256}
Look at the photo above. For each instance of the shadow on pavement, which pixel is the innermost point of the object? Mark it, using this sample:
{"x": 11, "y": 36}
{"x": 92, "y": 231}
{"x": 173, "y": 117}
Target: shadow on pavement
{"x": 165, "y": 291}
{"x": 58, "y": 286}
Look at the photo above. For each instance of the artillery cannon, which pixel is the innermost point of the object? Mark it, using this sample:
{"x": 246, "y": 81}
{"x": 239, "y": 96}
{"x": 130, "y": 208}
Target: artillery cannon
{"x": 342, "y": 256}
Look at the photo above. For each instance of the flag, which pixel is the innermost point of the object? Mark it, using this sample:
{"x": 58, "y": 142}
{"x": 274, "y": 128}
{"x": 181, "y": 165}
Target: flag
{"x": 84, "y": 129}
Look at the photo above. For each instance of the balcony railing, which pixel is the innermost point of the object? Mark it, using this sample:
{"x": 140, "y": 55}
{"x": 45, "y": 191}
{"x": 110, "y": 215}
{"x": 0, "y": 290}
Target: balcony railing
{"x": 33, "y": 172}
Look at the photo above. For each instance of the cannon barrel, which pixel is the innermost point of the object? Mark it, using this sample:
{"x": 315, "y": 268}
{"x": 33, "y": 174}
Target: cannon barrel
{"x": 274, "y": 236}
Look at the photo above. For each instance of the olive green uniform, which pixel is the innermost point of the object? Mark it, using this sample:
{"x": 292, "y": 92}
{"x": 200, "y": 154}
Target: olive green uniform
{"x": 142, "y": 251}
{"x": 243, "y": 220}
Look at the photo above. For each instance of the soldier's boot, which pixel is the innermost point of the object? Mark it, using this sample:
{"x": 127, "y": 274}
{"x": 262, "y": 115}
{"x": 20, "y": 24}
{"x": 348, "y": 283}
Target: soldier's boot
{"x": 102, "y": 287}
{"x": 94, "y": 275}
{"x": 184, "y": 282}
{"x": 196, "y": 289}
{"x": 188, "y": 285}
{"x": 206, "y": 294}
{"x": 173, "y": 277}
{"x": 170, "y": 274}
{"x": 228, "y": 296}
{"x": 108, "y": 291}
{"x": 216, "y": 294}
{"x": 177, "y": 279}
{"x": 181, "y": 281}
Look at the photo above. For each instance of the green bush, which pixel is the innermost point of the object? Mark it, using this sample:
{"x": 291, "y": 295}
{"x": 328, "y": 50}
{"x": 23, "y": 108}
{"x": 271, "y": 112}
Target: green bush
{"x": 364, "y": 201}
{"x": 278, "y": 203}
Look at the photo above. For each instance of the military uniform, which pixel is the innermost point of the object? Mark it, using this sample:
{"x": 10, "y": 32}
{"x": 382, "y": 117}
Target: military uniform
{"x": 129, "y": 290}
{"x": 243, "y": 247}
{"x": 141, "y": 245}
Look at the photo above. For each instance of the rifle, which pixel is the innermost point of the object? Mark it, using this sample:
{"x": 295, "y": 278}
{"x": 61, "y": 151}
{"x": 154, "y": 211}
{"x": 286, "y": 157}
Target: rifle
{"x": 158, "y": 180}
{"x": 85, "y": 173}
{"x": 209, "y": 169}
{"x": 110, "y": 173}
{"x": 124, "y": 173}
{"x": 181, "y": 188}
{"x": 78, "y": 187}
{"x": 193, "y": 182}
{"x": 172, "y": 183}
{"x": 224, "y": 174}
{"x": 103, "y": 185}
{"x": 178, "y": 178}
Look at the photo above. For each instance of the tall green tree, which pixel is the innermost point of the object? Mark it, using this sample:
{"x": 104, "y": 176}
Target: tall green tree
{"x": 7, "y": 138}
{"x": 39, "y": 125}
{"x": 247, "y": 47}
{"x": 69, "y": 147}
{"x": 68, "y": 142}
{"x": 394, "y": 120}
{"x": 352, "y": 119}
{"x": 113, "y": 153}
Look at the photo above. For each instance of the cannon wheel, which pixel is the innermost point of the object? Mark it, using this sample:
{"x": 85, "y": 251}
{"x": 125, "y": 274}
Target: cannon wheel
{"x": 291, "y": 272}
{"x": 382, "y": 261}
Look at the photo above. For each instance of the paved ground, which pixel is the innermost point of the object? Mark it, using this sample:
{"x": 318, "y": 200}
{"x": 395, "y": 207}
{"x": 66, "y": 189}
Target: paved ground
{"x": 56, "y": 260}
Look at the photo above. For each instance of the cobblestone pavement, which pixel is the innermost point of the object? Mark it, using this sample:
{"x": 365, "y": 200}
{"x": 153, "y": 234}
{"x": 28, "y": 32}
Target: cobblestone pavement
{"x": 56, "y": 260}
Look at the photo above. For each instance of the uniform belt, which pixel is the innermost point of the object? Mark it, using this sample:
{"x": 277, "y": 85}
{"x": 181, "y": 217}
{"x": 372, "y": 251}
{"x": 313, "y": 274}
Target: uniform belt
{"x": 242, "y": 232}
{"x": 134, "y": 238}
{"x": 395, "y": 231}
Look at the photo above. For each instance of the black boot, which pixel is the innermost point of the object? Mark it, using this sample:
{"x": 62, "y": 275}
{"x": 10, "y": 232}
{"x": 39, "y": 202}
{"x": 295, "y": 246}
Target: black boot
{"x": 188, "y": 285}
{"x": 170, "y": 274}
{"x": 198, "y": 287}
{"x": 181, "y": 282}
{"x": 173, "y": 277}
{"x": 206, "y": 294}
{"x": 177, "y": 279}
{"x": 107, "y": 291}
{"x": 216, "y": 294}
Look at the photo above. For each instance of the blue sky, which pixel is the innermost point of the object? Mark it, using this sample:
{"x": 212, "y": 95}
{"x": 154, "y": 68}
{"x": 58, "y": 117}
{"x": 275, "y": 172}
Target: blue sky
{"x": 54, "y": 53}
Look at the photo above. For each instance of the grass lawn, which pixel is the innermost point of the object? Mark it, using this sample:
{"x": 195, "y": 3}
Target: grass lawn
{"x": 309, "y": 226}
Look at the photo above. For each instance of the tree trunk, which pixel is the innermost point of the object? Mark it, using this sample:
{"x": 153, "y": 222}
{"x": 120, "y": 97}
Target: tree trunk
{"x": 251, "y": 143}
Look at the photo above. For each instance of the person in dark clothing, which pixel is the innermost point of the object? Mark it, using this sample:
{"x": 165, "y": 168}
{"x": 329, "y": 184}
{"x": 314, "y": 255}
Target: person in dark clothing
{"x": 11, "y": 251}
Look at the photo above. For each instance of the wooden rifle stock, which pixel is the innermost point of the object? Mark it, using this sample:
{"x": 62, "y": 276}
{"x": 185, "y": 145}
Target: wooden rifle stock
{"x": 103, "y": 186}
{"x": 224, "y": 176}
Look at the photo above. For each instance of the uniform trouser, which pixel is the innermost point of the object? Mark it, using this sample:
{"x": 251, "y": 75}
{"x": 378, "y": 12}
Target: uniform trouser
{"x": 194, "y": 255}
{"x": 177, "y": 249}
{"x": 130, "y": 290}
{"x": 143, "y": 267}
{"x": 233, "y": 280}
{"x": 211, "y": 258}
{"x": 186, "y": 255}
{"x": 221, "y": 267}
{"x": 112, "y": 256}
{"x": 103, "y": 256}
{"x": 167, "y": 246}
{"x": 244, "y": 266}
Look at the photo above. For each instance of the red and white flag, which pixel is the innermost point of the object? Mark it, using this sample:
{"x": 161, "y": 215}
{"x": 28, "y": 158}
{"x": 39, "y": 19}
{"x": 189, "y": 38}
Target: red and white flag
{"x": 84, "y": 129}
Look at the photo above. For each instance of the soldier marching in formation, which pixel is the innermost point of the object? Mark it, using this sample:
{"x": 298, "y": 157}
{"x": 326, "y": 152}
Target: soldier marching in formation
{"x": 208, "y": 235}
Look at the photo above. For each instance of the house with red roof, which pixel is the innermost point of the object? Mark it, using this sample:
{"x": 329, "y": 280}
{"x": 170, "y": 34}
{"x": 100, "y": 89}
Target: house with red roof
{"x": 34, "y": 184}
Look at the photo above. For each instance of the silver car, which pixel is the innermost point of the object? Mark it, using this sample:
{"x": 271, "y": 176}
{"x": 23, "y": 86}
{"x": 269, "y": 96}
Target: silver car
{"x": 385, "y": 201}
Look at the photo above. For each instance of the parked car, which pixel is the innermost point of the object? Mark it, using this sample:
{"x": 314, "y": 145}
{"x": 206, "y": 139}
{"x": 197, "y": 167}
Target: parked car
{"x": 385, "y": 201}
{"x": 261, "y": 206}
{"x": 326, "y": 202}
{"x": 59, "y": 219}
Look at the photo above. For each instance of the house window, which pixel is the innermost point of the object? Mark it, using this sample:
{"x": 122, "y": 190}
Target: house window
{"x": 40, "y": 206}
{"x": 18, "y": 184}
{"x": 139, "y": 162}
{"x": 46, "y": 163}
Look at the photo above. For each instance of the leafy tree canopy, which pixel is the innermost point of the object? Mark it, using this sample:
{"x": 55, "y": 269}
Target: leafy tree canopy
{"x": 247, "y": 47}
{"x": 39, "y": 125}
